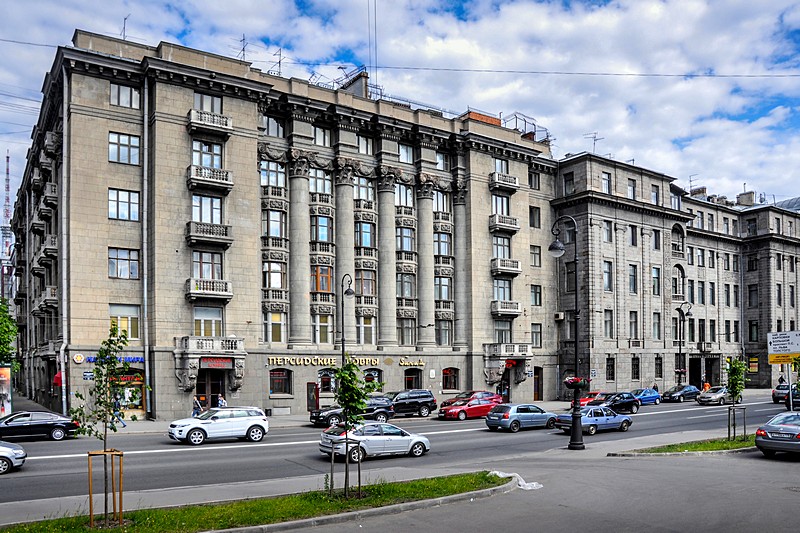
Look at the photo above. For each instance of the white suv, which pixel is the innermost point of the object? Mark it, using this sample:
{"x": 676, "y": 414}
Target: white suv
{"x": 221, "y": 423}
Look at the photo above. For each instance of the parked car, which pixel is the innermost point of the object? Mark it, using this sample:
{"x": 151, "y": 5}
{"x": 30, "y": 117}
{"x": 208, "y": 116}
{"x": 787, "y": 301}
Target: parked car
{"x": 586, "y": 397}
{"x": 373, "y": 439}
{"x": 780, "y": 434}
{"x": 617, "y": 401}
{"x": 795, "y": 399}
{"x": 221, "y": 423}
{"x": 680, "y": 393}
{"x": 11, "y": 456}
{"x": 474, "y": 395}
{"x": 647, "y": 396}
{"x": 718, "y": 395}
{"x": 37, "y": 424}
{"x": 463, "y": 409}
{"x": 779, "y": 392}
{"x": 412, "y": 401}
{"x": 514, "y": 417}
{"x": 379, "y": 409}
{"x": 594, "y": 419}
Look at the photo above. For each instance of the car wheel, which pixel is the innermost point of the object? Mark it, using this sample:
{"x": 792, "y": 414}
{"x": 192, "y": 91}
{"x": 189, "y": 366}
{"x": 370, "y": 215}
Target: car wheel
{"x": 5, "y": 465}
{"x": 514, "y": 426}
{"x": 417, "y": 449}
{"x": 681, "y": 399}
{"x": 551, "y": 423}
{"x": 462, "y": 415}
{"x": 722, "y": 401}
{"x": 624, "y": 426}
{"x": 424, "y": 411}
{"x": 381, "y": 417}
{"x": 657, "y": 401}
{"x": 58, "y": 434}
{"x": 634, "y": 409}
{"x": 334, "y": 420}
{"x": 768, "y": 453}
{"x": 255, "y": 434}
{"x": 591, "y": 430}
{"x": 196, "y": 437}
{"x": 356, "y": 454}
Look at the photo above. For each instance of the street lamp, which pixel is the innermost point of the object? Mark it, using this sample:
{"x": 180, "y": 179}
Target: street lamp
{"x": 681, "y": 334}
{"x": 346, "y": 293}
{"x": 556, "y": 249}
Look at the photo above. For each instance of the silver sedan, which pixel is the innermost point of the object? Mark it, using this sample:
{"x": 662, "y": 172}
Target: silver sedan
{"x": 367, "y": 440}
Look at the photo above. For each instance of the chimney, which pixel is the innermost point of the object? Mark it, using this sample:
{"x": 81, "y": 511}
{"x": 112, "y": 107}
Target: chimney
{"x": 698, "y": 192}
{"x": 746, "y": 199}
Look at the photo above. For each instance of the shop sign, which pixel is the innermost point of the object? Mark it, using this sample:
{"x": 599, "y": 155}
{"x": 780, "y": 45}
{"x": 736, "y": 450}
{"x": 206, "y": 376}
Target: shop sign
{"x": 224, "y": 363}
{"x": 405, "y": 361}
{"x": 130, "y": 359}
{"x": 128, "y": 378}
{"x": 78, "y": 358}
{"x": 320, "y": 361}
{"x": 88, "y": 375}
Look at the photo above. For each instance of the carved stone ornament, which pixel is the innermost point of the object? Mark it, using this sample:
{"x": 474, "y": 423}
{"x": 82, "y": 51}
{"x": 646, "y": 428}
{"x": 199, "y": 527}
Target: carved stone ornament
{"x": 366, "y": 311}
{"x": 387, "y": 176}
{"x": 444, "y": 271}
{"x": 320, "y": 260}
{"x": 406, "y": 313}
{"x": 236, "y": 374}
{"x": 493, "y": 368}
{"x": 299, "y": 161}
{"x": 344, "y": 169}
{"x": 425, "y": 190}
{"x": 406, "y": 268}
{"x": 321, "y": 309}
{"x": 405, "y": 222}
{"x": 460, "y": 191}
{"x": 519, "y": 374}
{"x": 186, "y": 371}
{"x": 445, "y": 315}
{"x": 366, "y": 264}
{"x": 275, "y": 307}
{"x": 442, "y": 227}
{"x": 265, "y": 153}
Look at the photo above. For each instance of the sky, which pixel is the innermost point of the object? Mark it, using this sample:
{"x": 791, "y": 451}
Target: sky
{"x": 704, "y": 91}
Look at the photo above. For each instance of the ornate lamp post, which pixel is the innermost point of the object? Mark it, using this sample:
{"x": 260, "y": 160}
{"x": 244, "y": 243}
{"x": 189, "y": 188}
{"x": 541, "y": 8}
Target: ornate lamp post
{"x": 682, "y": 314}
{"x": 556, "y": 249}
{"x": 346, "y": 293}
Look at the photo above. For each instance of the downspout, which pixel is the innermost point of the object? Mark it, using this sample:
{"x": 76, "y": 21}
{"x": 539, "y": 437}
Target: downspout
{"x": 63, "y": 208}
{"x": 29, "y": 299}
{"x": 145, "y": 262}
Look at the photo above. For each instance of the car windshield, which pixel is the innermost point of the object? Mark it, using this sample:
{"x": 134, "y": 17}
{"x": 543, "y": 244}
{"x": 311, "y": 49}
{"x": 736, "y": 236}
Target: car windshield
{"x": 604, "y": 396}
{"x": 714, "y": 390}
{"x": 785, "y": 419}
{"x": 501, "y": 409}
{"x": 460, "y": 402}
{"x": 783, "y": 386}
{"x": 676, "y": 388}
{"x": 467, "y": 394}
{"x": 637, "y": 392}
{"x": 208, "y": 414}
{"x": 391, "y": 395}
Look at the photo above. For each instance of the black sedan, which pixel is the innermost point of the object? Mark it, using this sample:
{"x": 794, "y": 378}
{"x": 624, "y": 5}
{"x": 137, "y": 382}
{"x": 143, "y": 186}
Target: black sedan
{"x": 617, "y": 401}
{"x": 37, "y": 424}
{"x": 378, "y": 408}
{"x": 780, "y": 434}
{"x": 680, "y": 393}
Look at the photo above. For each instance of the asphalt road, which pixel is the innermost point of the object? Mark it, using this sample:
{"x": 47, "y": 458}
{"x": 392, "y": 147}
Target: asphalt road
{"x": 56, "y": 469}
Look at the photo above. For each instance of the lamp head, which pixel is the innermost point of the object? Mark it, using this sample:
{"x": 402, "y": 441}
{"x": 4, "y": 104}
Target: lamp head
{"x": 556, "y": 248}
{"x": 349, "y": 293}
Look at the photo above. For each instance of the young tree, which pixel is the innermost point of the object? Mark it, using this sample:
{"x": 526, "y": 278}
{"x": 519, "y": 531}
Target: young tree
{"x": 8, "y": 336}
{"x": 736, "y": 381}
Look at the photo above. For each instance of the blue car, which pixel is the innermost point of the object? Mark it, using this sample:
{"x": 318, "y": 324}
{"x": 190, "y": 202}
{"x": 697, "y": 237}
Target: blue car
{"x": 514, "y": 417}
{"x": 594, "y": 419}
{"x": 647, "y": 396}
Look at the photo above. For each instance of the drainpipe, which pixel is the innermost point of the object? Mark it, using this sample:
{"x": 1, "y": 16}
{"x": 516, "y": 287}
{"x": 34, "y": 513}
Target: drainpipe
{"x": 63, "y": 209}
{"x": 145, "y": 278}
{"x": 28, "y": 298}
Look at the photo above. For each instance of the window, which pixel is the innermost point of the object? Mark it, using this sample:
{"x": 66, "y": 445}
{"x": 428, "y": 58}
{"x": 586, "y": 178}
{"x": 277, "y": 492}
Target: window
{"x": 700, "y": 220}
{"x": 206, "y": 265}
{"x": 712, "y": 293}
{"x": 126, "y": 318}
{"x": 633, "y": 279}
{"x": 735, "y": 331}
{"x": 791, "y": 296}
{"x": 405, "y": 239}
{"x": 690, "y": 332}
{"x": 321, "y": 278}
{"x": 701, "y": 292}
{"x": 736, "y": 296}
{"x": 441, "y": 202}
{"x": 675, "y": 335}
{"x": 501, "y": 289}
{"x": 657, "y": 326}
{"x": 208, "y": 321}
{"x": 633, "y": 235}
{"x": 364, "y": 145}
{"x": 752, "y": 328}
{"x": 605, "y": 181}
{"x": 365, "y": 235}
{"x": 273, "y": 275}
{"x": 711, "y": 254}
{"x": 727, "y": 331}
{"x": 690, "y": 255}
{"x": 690, "y": 223}
{"x": 206, "y": 102}
{"x": 569, "y": 234}
{"x": 778, "y": 262}
{"x": 569, "y": 183}
{"x": 123, "y": 264}
{"x": 406, "y": 285}
{"x": 365, "y": 283}
{"x": 536, "y": 256}
{"x": 632, "y": 189}
{"x": 636, "y": 373}
{"x": 319, "y": 181}
{"x": 726, "y": 261}
{"x": 123, "y": 148}
{"x": 779, "y": 325}
{"x": 654, "y": 195}
{"x": 321, "y": 229}
{"x": 701, "y": 257}
{"x": 406, "y": 153}
{"x": 570, "y": 325}
{"x": 444, "y": 332}
{"x": 363, "y": 189}
{"x": 450, "y": 379}
{"x": 610, "y": 367}
{"x": 441, "y": 244}
{"x": 656, "y": 239}
{"x": 752, "y": 295}
{"x": 675, "y": 201}
{"x": 321, "y": 329}
{"x": 536, "y": 335}
{"x": 207, "y": 209}
{"x": 608, "y": 323}
{"x": 712, "y": 330}
{"x": 501, "y": 165}
{"x": 501, "y": 247}
{"x": 659, "y": 367}
{"x": 365, "y": 330}
{"x": 500, "y": 205}
{"x": 608, "y": 231}
{"x": 273, "y": 127}
{"x": 206, "y": 154}
{"x": 534, "y": 180}
{"x": 534, "y": 217}
{"x": 779, "y": 295}
{"x": 273, "y": 223}
{"x": 403, "y": 195}
{"x": 690, "y": 290}
{"x": 633, "y": 324}
{"x": 608, "y": 276}
{"x": 322, "y": 136}
{"x": 791, "y": 264}
{"x": 752, "y": 262}
{"x": 727, "y": 291}
{"x": 751, "y": 227}
{"x": 274, "y": 327}
{"x": 442, "y": 162}
{"x": 536, "y": 295}
{"x": 502, "y": 331}
{"x": 406, "y": 332}
{"x": 280, "y": 381}
{"x": 273, "y": 174}
{"x": 656, "y": 281}
{"x": 123, "y": 205}
{"x": 124, "y": 96}
{"x": 710, "y": 222}
{"x": 441, "y": 288}
{"x": 571, "y": 276}
{"x": 736, "y": 263}
{"x": 326, "y": 379}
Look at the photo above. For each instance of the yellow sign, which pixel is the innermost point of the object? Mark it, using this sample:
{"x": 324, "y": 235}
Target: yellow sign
{"x": 782, "y": 358}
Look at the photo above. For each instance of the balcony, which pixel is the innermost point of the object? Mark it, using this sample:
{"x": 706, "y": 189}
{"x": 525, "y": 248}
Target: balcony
{"x": 439, "y": 216}
{"x": 215, "y": 179}
{"x": 50, "y": 195}
{"x": 364, "y": 205}
{"x": 443, "y": 260}
{"x": 47, "y": 299}
{"x": 366, "y": 300}
{"x": 322, "y": 247}
{"x": 37, "y": 224}
{"x": 48, "y": 250}
{"x": 321, "y": 198}
{"x": 505, "y": 308}
{"x": 503, "y": 223}
{"x": 362, "y": 251}
{"x": 217, "y": 289}
{"x": 406, "y": 257}
{"x": 275, "y": 243}
{"x": 275, "y": 295}
{"x": 52, "y": 143}
{"x": 498, "y": 180}
{"x": 323, "y": 298}
{"x": 635, "y": 343}
{"x": 44, "y": 210}
{"x": 406, "y": 303}
{"x": 678, "y": 297}
{"x": 403, "y": 211}
{"x": 677, "y": 250}
{"x": 514, "y": 351}
{"x": 208, "y": 122}
{"x": 705, "y": 347}
{"x": 445, "y": 305}
{"x": 271, "y": 191}
{"x": 211, "y": 234}
{"x": 210, "y": 345}
{"x": 507, "y": 267}
{"x": 37, "y": 180}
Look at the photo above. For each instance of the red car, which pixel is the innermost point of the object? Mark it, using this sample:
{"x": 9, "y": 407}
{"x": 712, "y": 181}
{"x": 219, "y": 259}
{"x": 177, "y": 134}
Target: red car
{"x": 474, "y": 395}
{"x": 588, "y": 397}
{"x": 463, "y": 409}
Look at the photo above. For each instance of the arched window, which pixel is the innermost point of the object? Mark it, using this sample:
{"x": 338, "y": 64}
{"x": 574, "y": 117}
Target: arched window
{"x": 280, "y": 381}
{"x": 374, "y": 375}
{"x": 413, "y": 378}
{"x": 450, "y": 379}
{"x": 327, "y": 380}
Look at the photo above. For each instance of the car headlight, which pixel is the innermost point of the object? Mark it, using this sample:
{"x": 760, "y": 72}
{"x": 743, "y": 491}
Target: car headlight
{"x": 181, "y": 425}
{"x": 19, "y": 453}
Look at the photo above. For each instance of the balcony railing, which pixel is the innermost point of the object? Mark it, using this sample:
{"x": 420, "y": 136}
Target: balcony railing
{"x": 50, "y": 194}
{"x": 37, "y": 180}
{"x": 362, "y": 251}
{"x": 506, "y": 308}
{"x": 281, "y": 295}
{"x": 321, "y": 198}
{"x": 364, "y": 205}
{"x": 498, "y": 180}
{"x": 443, "y": 260}
{"x": 209, "y": 288}
{"x": 445, "y": 305}
{"x": 210, "y": 122}
{"x": 279, "y": 243}
{"x": 273, "y": 191}
{"x": 406, "y": 303}
{"x": 508, "y": 350}
{"x": 323, "y": 298}
{"x": 37, "y": 224}
{"x": 677, "y": 250}
{"x": 44, "y": 209}
{"x": 210, "y": 344}
{"x": 205, "y": 233}
{"x": 322, "y": 247}
{"x": 403, "y": 211}
{"x": 47, "y": 298}
{"x": 503, "y": 223}
{"x": 677, "y": 297}
{"x": 366, "y": 300}
{"x": 208, "y": 177}
{"x": 440, "y": 216}
{"x": 505, "y": 266}
{"x": 407, "y": 257}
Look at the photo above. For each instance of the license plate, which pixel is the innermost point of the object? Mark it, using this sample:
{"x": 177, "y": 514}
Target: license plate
{"x": 490, "y": 417}
{"x": 781, "y": 435}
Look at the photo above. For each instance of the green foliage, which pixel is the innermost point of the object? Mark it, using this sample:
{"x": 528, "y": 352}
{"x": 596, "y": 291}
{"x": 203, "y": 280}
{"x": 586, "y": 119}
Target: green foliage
{"x": 8, "y": 336}
{"x": 95, "y": 415}
{"x": 736, "y": 377}
{"x": 352, "y": 391}
{"x": 711, "y": 445}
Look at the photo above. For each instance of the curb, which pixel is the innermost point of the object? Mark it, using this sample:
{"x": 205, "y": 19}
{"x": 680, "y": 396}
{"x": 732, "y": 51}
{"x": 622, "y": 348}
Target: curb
{"x": 366, "y": 513}
{"x": 634, "y": 453}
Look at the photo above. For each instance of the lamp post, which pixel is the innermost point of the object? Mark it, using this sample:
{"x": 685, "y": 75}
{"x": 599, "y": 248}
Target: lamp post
{"x": 346, "y": 293}
{"x": 681, "y": 334}
{"x": 556, "y": 249}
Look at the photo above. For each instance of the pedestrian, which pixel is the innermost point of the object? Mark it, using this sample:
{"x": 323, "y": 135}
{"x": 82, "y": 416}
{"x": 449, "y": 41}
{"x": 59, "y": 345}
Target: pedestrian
{"x": 221, "y": 401}
{"x": 197, "y": 407}
{"x": 117, "y": 415}
{"x": 655, "y": 386}
{"x": 781, "y": 380}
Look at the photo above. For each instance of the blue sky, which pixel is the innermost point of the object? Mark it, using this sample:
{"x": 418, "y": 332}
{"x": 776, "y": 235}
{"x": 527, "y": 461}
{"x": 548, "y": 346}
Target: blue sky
{"x": 628, "y": 70}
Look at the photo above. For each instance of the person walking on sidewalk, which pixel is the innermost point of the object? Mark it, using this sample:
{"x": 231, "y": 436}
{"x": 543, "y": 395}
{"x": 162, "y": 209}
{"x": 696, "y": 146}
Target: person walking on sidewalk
{"x": 117, "y": 416}
{"x": 221, "y": 401}
{"x": 197, "y": 407}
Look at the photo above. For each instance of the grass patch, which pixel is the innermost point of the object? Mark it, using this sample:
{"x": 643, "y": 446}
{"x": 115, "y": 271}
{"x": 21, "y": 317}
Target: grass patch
{"x": 711, "y": 445}
{"x": 278, "y": 509}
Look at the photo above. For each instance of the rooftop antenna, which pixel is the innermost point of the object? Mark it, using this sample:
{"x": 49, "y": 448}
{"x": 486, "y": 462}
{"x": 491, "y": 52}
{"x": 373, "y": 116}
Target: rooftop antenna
{"x": 632, "y": 161}
{"x": 125, "y": 26}
{"x": 279, "y": 53}
{"x": 593, "y": 136}
{"x": 243, "y": 52}
{"x": 691, "y": 182}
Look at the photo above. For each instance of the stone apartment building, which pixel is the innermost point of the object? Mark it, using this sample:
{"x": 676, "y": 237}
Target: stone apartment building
{"x": 239, "y": 225}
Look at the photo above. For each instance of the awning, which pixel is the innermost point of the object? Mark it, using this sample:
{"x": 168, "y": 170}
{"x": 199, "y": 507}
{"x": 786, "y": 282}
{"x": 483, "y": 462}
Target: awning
{"x": 57, "y": 379}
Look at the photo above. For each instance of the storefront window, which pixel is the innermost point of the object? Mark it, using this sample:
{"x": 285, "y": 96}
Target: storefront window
{"x": 280, "y": 381}
{"x": 327, "y": 380}
{"x": 450, "y": 378}
{"x": 374, "y": 375}
{"x": 413, "y": 378}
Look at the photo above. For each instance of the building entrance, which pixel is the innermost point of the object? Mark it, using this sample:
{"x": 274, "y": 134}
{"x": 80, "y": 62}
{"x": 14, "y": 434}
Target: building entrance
{"x": 538, "y": 384}
{"x": 210, "y": 384}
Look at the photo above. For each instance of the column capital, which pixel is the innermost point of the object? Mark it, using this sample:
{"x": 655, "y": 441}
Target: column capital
{"x": 344, "y": 169}
{"x": 387, "y": 176}
{"x": 460, "y": 191}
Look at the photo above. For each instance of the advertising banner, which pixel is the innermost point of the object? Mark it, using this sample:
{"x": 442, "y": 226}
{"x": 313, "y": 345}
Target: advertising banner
{"x": 5, "y": 390}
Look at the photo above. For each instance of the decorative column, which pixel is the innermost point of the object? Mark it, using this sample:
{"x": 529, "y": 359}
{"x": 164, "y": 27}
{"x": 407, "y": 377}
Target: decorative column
{"x": 426, "y": 306}
{"x": 300, "y": 248}
{"x": 461, "y": 290}
{"x": 343, "y": 170}
{"x": 387, "y": 248}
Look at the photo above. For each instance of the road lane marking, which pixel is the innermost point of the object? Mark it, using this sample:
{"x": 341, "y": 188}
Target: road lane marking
{"x": 704, "y": 416}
